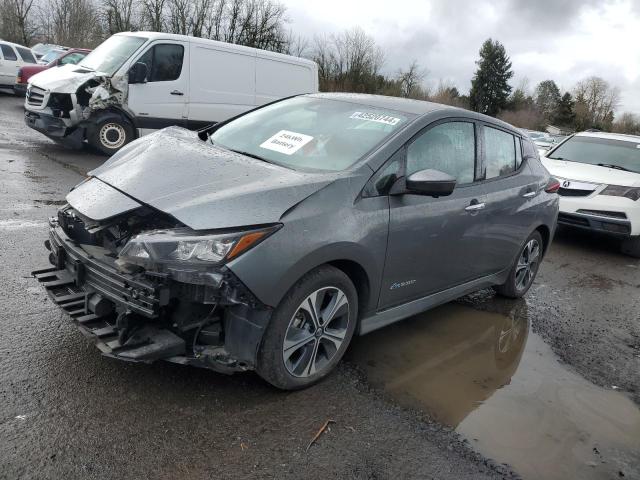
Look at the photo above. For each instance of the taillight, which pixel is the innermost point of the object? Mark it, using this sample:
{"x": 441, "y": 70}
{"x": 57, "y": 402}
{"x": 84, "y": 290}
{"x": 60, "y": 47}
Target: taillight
{"x": 553, "y": 185}
{"x": 19, "y": 78}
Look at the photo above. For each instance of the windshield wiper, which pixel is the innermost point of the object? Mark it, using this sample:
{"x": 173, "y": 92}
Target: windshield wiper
{"x": 617, "y": 167}
{"x": 249, "y": 154}
{"x": 556, "y": 158}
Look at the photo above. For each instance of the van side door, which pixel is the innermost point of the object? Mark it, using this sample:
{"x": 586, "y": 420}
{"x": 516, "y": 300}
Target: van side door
{"x": 161, "y": 100}
{"x": 223, "y": 82}
{"x": 511, "y": 188}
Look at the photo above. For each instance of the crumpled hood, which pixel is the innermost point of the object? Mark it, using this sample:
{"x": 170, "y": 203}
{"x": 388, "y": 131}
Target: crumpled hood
{"x": 585, "y": 172}
{"x": 65, "y": 79}
{"x": 204, "y": 186}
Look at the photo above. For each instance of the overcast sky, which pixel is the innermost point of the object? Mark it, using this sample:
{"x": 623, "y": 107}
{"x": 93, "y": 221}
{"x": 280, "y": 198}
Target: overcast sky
{"x": 563, "y": 40}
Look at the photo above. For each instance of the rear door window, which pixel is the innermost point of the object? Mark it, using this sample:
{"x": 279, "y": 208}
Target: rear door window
{"x": 449, "y": 147}
{"x": 8, "y": 52}
{"x": 26, "y": 55}
{"x": 164, "y": 62}
{"x": 500, "y": 152}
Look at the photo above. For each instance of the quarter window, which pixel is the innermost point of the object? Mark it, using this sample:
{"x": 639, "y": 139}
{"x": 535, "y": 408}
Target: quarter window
{"x": 448, "y": 147}
{"x": 164, "y": 62}
{"x": 500, "y": 152}
{"x": 26, "y": 55}
{"x": 8, "y": 53}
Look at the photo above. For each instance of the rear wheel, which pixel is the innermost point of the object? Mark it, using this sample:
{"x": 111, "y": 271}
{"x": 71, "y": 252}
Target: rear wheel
{"x": 524, "y": 271}
{"x": 110, "y": 135}
{"x": 310, "y": 330}
{"x": 631, "y": 246}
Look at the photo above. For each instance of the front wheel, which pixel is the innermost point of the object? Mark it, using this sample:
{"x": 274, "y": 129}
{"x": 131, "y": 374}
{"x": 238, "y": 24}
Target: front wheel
{"x": 309, "y": 330}
{"x": 110, "y": 135}
{"x": 525, "y": 269}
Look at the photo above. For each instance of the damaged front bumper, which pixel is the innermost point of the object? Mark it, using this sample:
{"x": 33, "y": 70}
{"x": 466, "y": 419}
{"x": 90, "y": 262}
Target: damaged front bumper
{"x": 146, "y": 317}
{"x": 55, "y": 128}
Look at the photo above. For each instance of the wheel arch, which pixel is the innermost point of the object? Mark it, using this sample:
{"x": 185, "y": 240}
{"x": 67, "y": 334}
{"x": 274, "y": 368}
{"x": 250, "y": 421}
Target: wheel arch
{"x": 545, "y": 233}
{"x": 110, "y": 113}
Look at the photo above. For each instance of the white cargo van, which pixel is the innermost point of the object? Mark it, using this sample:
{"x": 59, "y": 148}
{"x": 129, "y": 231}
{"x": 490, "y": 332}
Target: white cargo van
{"x": 136, "y": 82}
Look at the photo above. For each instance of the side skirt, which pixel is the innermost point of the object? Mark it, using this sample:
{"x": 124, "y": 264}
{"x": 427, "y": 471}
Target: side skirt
{"x": 395, "y": 314}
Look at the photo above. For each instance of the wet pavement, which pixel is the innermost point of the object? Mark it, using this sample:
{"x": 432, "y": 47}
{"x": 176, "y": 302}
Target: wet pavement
{"x": 549, "y": 385}
{"x": 502, "y": 388}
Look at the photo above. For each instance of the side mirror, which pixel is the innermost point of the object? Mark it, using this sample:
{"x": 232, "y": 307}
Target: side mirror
{"x": 433, "y": 183}
{"x": 138, "y": 73}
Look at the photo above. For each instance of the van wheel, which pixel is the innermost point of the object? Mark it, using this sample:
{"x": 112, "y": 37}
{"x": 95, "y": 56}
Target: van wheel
{"x": 310, "y": 330}
{"x": 631, "y": 246}
{"x": 525, "y": 268}
{"x": 110, "y": 135}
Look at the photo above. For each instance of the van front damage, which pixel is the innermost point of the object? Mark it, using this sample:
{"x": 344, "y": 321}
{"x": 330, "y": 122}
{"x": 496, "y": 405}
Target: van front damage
{"x": 73, "y": 102}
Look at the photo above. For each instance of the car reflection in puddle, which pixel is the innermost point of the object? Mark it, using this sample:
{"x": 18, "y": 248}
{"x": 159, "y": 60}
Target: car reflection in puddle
{"x": 501, "y": 387}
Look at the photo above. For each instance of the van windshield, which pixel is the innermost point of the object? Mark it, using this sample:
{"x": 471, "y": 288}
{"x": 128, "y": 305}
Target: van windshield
{"x": 307, "y": 133}
{"x": 112, "y": 53}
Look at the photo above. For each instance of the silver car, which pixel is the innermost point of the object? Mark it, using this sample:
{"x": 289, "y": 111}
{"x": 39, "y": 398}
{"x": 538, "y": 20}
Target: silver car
{"x": 267, "y": 241}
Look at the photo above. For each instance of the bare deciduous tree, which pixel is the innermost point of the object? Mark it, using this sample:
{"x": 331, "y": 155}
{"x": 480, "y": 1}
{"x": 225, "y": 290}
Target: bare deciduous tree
{"x": 596, "y": 102}
{"x": 121, "y": 15}
{"x": 70, "y": 22}
{"x": 411, "y": 79}
{"x": 16, "y": 21}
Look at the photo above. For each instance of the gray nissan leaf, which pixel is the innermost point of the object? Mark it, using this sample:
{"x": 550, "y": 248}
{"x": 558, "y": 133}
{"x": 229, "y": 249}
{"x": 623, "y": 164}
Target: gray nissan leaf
{"x": 268, "y": 241}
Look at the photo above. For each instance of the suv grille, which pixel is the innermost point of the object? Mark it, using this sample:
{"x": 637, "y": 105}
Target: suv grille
{"x": 604, "y": 213}
{"x": 35, "y": 96}
{"x": 572, "y": 192}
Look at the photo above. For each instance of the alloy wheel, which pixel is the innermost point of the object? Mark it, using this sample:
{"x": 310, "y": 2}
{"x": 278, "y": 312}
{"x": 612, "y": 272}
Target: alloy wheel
{"x": 527, "y": 264}
{"x": 316, "y": 332}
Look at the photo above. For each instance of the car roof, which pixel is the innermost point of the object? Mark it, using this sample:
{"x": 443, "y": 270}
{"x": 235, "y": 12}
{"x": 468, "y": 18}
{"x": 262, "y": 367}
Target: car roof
{"x": 14, "y": 44}
{"x": 611, "y": 136}
{"x": 411, "y": 106}
{"x": 225, "y": 45}
{"x": 399, "y": 104}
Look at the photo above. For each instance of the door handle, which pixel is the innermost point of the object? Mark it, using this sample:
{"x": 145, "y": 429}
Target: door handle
{"x": 529, "y": 194}
{"x": 475, "y": 207}
{"x": 177, "y": 92}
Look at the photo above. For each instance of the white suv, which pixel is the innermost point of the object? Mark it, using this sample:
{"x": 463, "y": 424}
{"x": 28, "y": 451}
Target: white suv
{"x": 599, "y": 175}
{"x": 12, "y": 57}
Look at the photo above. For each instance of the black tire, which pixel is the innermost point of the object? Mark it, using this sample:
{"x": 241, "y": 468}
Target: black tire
{"x": 271, "y": 355}
{"x": 514, "y": 287}
{"x": 110, "y": 134}
{"x": 631, "y": 246}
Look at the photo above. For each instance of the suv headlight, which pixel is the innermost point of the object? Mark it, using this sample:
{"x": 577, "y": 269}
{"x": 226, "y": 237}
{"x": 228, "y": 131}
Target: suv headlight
{"x": 632, "y": 193}
{"x": 186, "y": 248}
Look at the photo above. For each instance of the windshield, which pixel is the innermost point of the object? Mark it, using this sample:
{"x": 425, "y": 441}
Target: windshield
{"x": 594, "y": 151}
{"x": 310, "y": 133}
{"x": 112, "y": 53}
{"x": 51, "y": 56}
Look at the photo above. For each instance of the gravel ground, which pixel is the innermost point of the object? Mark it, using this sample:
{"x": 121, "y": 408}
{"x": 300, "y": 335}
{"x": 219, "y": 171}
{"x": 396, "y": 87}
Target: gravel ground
{"x": 67, "y": 412}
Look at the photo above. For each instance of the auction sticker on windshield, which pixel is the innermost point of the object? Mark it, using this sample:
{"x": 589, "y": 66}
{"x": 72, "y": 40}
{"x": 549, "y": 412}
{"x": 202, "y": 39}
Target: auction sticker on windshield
{"x": 286, "y": 142}
{"x": 376, "y": 117}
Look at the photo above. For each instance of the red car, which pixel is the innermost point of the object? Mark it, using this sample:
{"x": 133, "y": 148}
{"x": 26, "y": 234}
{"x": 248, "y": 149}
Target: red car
{"x": 71, "y": 56}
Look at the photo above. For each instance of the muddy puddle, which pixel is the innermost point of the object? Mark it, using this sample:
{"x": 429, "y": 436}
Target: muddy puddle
{"x": 502, "y": 388}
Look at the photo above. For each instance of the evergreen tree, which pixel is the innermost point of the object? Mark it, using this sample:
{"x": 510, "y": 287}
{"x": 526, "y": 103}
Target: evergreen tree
{"x": 565, "y": 115}
{"x": 490, "y": 88}
{"x": 548, "y": 99}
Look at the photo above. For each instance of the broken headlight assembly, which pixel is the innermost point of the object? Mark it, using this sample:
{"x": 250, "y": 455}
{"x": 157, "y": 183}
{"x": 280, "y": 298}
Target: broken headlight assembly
{"x": 632, "y": 193}
{"x": 189, "y": 256}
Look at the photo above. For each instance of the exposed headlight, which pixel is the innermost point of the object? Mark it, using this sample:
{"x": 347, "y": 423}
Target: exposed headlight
{"x": 184, "y": 247}
{"x": 632, "y": 193}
